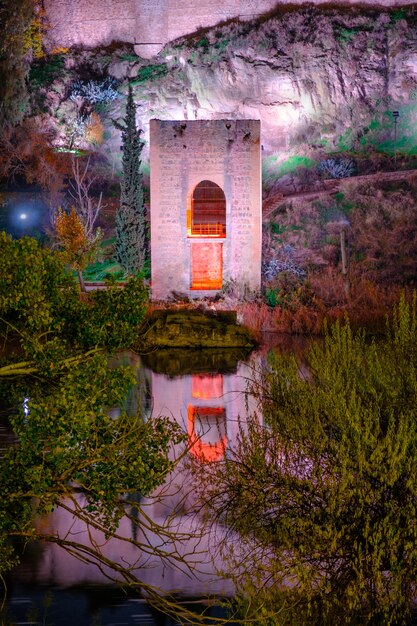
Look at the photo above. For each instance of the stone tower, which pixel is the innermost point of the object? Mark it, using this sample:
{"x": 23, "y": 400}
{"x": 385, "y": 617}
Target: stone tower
{"x": 205, "y": 205}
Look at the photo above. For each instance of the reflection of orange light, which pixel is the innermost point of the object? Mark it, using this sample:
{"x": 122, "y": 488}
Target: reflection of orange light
{"x": 206, "y": 387}
{"x": 207, "y": 452}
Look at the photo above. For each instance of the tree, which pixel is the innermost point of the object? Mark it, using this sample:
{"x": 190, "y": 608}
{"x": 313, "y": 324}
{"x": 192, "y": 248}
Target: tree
{"x": 324, "y": 493}
{"x": 16, "y": 19}
{"x": 40, "y": 306}
{"x": 87, "y": 206}
{"x": 27, "y": 152}
{"x": 68, "y": 444}
{"x": 130, "y": 217}
{"x": 77, "y": 249}
{"x": 71, "y": 452}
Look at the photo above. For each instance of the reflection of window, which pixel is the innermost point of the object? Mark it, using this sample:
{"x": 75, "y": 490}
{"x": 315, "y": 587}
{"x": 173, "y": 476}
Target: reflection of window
{"x": 207, "y": 432}
{"x": 207, "y": 217}
{"x": 205, "y": 386}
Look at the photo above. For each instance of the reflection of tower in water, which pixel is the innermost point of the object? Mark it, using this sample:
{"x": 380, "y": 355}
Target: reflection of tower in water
{"x": 207, "y": 418}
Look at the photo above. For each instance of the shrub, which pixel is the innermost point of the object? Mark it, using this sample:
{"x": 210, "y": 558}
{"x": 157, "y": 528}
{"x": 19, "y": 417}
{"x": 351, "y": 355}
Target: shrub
{"x": 337, "y": 168}
{"x": 95, "y": 91}
{"x": 113, "y": 317}
{"x": 285, "y": 263}
{"x": 322, "y": 488}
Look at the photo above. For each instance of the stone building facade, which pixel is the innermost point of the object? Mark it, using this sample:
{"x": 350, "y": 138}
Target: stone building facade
{"x": 205, "y": 206}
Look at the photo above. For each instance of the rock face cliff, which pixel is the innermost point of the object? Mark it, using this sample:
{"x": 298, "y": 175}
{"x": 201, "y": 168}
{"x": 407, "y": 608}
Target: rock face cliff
{"x": 318, "y": 78}
{"x": 150, "y": 24}
{"x": 313, "y": 76}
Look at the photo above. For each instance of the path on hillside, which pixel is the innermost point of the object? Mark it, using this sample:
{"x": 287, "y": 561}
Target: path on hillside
{"x": 333, "y": 186}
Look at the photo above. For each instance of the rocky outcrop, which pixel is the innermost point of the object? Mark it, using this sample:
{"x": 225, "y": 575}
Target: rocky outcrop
{"x": 317, "y": 77}
{"x": 312, "y": 76}
{"x": 194, "y": 329}
{"x": 150, "y": 24}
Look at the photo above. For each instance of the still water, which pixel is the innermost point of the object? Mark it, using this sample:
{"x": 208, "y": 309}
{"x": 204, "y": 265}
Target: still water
{"x": 206, "y": 393}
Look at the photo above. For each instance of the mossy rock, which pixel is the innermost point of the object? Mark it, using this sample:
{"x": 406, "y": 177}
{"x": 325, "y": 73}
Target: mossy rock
{"x": 194, "y": 329}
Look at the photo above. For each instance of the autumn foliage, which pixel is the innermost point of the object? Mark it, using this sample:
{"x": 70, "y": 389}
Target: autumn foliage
{"x": 76, "y": 249}
{"x": 72, "y": 238}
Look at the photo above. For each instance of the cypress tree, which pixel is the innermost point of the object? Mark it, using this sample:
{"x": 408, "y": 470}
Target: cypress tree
{"x": 130, "y": 217}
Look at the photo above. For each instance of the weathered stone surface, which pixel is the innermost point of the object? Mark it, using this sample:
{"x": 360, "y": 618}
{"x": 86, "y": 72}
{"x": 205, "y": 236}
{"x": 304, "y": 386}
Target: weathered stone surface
{"x": 150, "y": 24}
{"x": 194, "y": 329}
{"x": 314, "y": 76}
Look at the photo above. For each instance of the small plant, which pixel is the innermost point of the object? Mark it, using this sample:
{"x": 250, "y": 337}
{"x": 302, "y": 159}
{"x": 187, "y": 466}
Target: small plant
{"x": 285, "y": 263}
{"x": 272, "y": 297}
{"x": 95, "y": 91}
{"x": 149, "y": 72}
{"x": 337, "y": 168}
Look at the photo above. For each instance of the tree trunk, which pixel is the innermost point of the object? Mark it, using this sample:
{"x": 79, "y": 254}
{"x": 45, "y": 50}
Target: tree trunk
{"x": 345, "y": 262}
{"x": 81, "y": 281}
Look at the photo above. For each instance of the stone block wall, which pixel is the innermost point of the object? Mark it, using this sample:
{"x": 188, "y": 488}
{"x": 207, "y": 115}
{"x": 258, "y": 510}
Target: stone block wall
{"x": 90, "y": 23}
{"x": 150, "y": 24}
{"x": 183, "y": 154}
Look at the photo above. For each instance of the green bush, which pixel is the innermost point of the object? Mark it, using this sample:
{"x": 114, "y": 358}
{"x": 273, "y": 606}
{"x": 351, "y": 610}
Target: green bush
{"x": 113, "y": 317}
{"x": 40, "y": 301}
{"x": 323, "y": 489}
{"x": 45, "y": 71}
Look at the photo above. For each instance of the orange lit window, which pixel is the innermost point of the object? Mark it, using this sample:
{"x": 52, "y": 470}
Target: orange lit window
{"x": 207, "y": 432}
{"x": 207, "y": 214}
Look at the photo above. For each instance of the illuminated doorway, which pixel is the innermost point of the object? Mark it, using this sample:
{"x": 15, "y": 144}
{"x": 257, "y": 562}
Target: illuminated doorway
{"x": 206, "y": 265}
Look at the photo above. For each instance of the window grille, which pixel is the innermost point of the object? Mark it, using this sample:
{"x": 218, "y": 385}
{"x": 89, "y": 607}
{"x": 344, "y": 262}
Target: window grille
{"x": 208, "y": 211}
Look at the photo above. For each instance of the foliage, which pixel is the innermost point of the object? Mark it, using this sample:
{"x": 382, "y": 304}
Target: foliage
{"x": 27, "y": 153}
{"x": 71, "y": 450}
{"x": 67, "y": 442}
{"x": 43, "y": 72}
{"x": 337, "y": 168}
{"x": 384, "y": 232}
{"x": 149, "y": 72}
{"x": 34, "y": 35}
{"x": 106, "y": 269}
{"x": 16, "y": 19}
{"x": 284, "y": 263}
{"x": 35, "y": 289}
{"x": 40, "y": 301}
{"x": 114, "y": 316}
{"x": 272, "y": 297}
{"x": 95, "y": 91}
{"x": 77, "y": 250}
{"x": 272, "y": 169}
{"x": 130, "y": 217}
{"x": 323, "y": 490}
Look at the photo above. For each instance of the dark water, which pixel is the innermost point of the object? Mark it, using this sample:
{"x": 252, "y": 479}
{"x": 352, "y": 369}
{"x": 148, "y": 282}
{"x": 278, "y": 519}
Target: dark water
{"x": 87, "y": 606}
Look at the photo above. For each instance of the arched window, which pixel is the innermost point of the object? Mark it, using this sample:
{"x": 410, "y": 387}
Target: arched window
{"x": 208, "y": 211}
